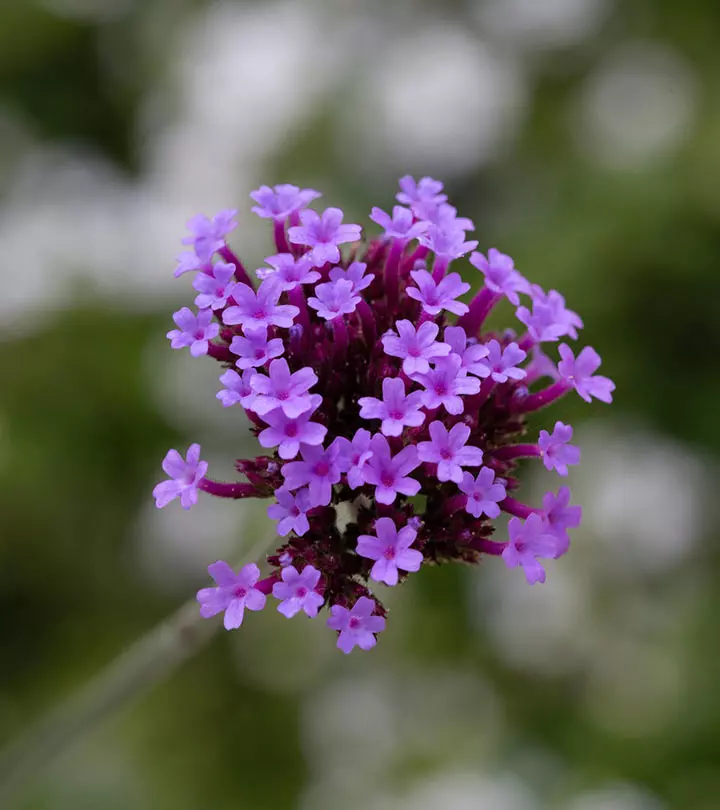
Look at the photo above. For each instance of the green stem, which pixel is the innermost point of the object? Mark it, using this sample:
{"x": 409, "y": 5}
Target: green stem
{"x": 146, "y": 663}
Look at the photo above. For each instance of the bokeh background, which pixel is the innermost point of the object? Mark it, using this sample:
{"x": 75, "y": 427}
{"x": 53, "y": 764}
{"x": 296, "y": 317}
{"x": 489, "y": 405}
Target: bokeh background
{"x": 583, "y": 137}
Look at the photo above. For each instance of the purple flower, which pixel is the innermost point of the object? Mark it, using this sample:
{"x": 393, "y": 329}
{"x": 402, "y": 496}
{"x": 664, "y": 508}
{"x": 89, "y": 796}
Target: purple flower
{"x": 549, "y": 319}
{"x": 501, "y": 277}
{"x": 426, "y": 190}
{"x": 391, "y": 550}
{"x": 555, "y": 450}
{"x": 254, "y": 349}
{"x": 281, "y": 389}
{"x": 501, "y": 364}
{"x": 353, "y": 456}
{"x": 289, "y": 271}
{"x": 447, "y": 449}
{"x": 279, "y": 202}
{"x": 447, "y": 242}
{"x": 401, "y": 225}
{"x": 297, "y": 591}
{"x": 446, "y": 384}
{"x": 483, "y": 493}
{"x": 437, "y": 297}
{"x": 237, "y": 388}
{"x": 443, "y": 215}
{"x": 188, "y": 262}
{"x": 354, "y": 274}
{"x": 388, "y": 474}
{"x": 290, "y": 510}
{"x": 319, "y": 468}
{"x": 216, "y": 287}
{"x": 185, "y": 476}
{"x": 334, "y": 299}
{"x": 560, "y": 516}
{"x": 528, "y": 541}
{"x": 288, "y": 434}
{"x": 194, "y": 331}
{"x": 396, "y": 409}
{"x": 234, "y": 593}
{"x": 323, "y": 233}
{"x": 471, "y": 357}
{"x": 579, "y": 373}
{"x": 256, "y": 309}
{"x": 356, "y": 626}
{"x": 541, "y": 365}
{"x": 208, "y": 235}
{"x": 415, "y": 347}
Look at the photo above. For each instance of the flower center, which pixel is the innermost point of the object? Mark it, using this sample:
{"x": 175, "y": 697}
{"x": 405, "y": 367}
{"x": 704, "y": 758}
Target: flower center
{"x": 322, "y": 468}
{"x": 396, "y": 415}
{"x": 440, "y": 389}
{"x": 295, "y": 511}
{"x": 446, "y": 454}
{"x": 387, "y": 479}
{"x": 259, "y": 354}
{"x": 291, "y": 429}
{"x": 301, "y": 592}
{"x": 240, "y": 592}
{"x": 283, "y": 395}
{"x": 259, "y": 314}
{"x": 354, "y": 623}
{"x": 414, "y": 351}
{"x": 389, "y": 553}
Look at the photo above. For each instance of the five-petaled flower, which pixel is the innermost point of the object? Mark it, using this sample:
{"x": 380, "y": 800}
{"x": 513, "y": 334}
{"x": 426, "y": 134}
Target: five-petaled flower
{"x": 323, "y": 233}
{"x": 233, "y": 594}
{"x": 297, "y": 591}
{"x": 185, "y": 476}
{"x": 357, "y": 626}
{"x": 391, "y": 550}
{"x": 447, "y": 449}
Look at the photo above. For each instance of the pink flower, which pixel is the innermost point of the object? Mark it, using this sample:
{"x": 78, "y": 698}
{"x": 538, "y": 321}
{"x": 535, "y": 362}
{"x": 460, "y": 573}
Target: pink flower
{"x": 355, "y": 274}
{"x": 254, "y": 310}
{"x": 238, "y": 389}
{"x": 437, "y": 297}
{"x": 354, "y": 456}
{"x": 215, "y": 287}
{"x": 281, "y": 389}
{"x": 194, "y": 331}
{"x": 254, "y": 349}
{"x": 334, "y": 299}
{"x": 556, "y": 453}
{"x": 471, "y": 356}
{"x": 291, "y": 512}
{"x": 389, "y": 474}
{"x": 356, "y": 626}
{"x": 426, "y": 190}
{"x": 185, "y": 476}
{"x": 417, "y": 347}
{"x": 446, "y": 384}
{"x": 289, "y": 271}
{"x": 579, "y": 373}
{"x": 396, "y": 409}
{"x": 559, "y": 516}
{"x": 279, "y": 202}
{"x": 483, "y": 493}
{"x": 401, "y": 225}
{"x": 448, "y": 450}
{"x": 501, "y": 364}
{"x": 319, "y": 469}
{"x": 528, "y": 541}
{"x": 208, "y": 235}
{"x": 549, "y": 319}
{"x": 297, "y": 591}
{"x": 391, "y": 550}
{"x": 501, "y": 277}
{"x": 288, "y": 434}
{"x": 323, "y": 233}
{"x": 234, "y": 593}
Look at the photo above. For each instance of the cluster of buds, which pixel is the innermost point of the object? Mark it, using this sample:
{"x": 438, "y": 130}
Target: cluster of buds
{"x": 393, "y": 420}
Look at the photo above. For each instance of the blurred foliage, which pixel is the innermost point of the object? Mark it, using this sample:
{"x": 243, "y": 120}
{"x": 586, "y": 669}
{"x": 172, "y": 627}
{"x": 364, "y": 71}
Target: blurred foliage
{"x": 635, "y": 251}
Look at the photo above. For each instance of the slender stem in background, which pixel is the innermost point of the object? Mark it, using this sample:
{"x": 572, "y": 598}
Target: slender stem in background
{"x": 146, "y": 663}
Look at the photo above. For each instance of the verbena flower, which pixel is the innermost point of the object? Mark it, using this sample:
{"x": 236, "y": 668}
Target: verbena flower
{"x": 373, "y": 387}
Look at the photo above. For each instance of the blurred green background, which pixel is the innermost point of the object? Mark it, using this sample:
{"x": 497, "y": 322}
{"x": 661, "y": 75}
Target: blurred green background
{"x": 583, "y": 137}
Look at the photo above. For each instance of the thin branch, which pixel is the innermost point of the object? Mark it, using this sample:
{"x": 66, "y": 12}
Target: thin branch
{"x": 146, "y": 663}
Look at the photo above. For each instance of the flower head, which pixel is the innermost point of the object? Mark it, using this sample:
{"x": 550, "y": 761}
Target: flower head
{"x": 279, "y": 202}
{"x": 375, "y": 396}
{"x": 233, "y": 594}
{"x": 390, "y": 549}
{"x": 185, "y": 477}
{"x": 323, "y": 233}
{"x": 193, "y": 330}
{"x": 357, "y": 626}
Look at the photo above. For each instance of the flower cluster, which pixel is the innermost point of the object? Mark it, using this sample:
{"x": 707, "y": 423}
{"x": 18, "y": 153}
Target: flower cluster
{"x": 373, "y": 385}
